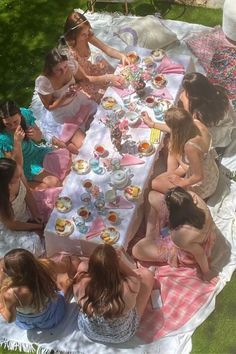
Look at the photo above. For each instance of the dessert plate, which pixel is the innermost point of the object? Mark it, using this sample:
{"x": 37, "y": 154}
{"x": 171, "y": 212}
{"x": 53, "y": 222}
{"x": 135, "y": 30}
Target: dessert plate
{"x": 109, "y": 102}
{"x": 110, "y": 235}
{"x": 132, "y": 192}
{"x": 64, "y": 227}
{"x": 81, "y": 167}
{"x": 63, "y": 204}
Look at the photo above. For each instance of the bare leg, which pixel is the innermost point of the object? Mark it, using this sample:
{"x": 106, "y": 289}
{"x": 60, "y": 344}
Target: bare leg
{"x": 45, "y": 180}
{"x": 147, "y": 248}
{"x": 147, "y": 282}
{"x": 77, "y": 139}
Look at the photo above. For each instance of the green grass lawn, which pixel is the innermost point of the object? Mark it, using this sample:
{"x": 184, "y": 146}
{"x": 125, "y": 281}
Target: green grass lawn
{"x": 29, "y": 28}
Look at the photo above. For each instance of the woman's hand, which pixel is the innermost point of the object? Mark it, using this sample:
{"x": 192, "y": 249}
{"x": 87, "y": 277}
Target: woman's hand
{"x": 19, "y": 134}
{"x": 34, "y": 133}
{"x": 177, "y": 181}
{"x": 116, "y": 80}
{"x": 147, "y": 120}
{"x": 124, "y": 59}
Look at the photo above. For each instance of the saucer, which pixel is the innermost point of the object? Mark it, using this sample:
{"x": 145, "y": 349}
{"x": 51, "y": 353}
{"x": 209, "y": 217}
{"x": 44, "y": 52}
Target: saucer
{"x": 148, "y": 152}
{"x": 133, "y": 57}
{"x": 63, "y": 204}
{"x": 158, "y": 54}
{"x": 64, "y": 227}
{"x": 132, "y": 192}
{"x": 109, "y": 102}
{"x": 81, "y": 167}
{"x": 159, "y": 81}
{"x": 110, "y": 235}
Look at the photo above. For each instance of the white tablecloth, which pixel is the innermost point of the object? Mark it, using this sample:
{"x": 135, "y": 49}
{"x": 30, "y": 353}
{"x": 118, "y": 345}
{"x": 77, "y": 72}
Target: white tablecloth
{"x": 99, "y": 133}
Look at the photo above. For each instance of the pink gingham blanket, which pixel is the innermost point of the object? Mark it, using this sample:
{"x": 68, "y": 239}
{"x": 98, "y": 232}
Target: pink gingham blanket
{"x": 183, "y": 293}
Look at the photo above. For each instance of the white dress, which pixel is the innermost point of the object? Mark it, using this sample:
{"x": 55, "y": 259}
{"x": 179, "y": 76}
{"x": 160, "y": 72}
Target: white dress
{"x": 63, "y": 121}
{"x": 10, "y": 239}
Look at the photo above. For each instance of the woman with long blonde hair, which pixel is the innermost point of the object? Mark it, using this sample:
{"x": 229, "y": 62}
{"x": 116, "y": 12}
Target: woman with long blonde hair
{"x": 112, "y": 297}
{"x": 191, "y": 158}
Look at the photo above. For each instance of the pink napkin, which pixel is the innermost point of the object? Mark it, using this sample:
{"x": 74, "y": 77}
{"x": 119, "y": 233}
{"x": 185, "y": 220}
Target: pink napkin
{"x": 162, "y": 93}
{"x": 122, "y": 204}
{"x": 143, "y": 125}
{"x": 96, "y": 227}
{"x": 167, "y": 66}
{"x": 124, "y": 92}
{"x": 128, "y": 160}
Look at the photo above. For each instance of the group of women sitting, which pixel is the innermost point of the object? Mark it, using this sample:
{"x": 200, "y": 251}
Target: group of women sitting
{"x": 180, "y": 230}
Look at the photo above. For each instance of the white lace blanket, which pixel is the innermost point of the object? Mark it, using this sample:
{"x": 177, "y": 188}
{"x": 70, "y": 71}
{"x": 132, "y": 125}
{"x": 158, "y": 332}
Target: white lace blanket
{"x": 66, "y": 338}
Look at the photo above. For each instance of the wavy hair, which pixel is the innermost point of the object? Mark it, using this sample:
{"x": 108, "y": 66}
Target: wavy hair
{"x": 207, "y": 101}
{"x": 23, "y": 269}
{"x": 103, "y": 293}
{"x": 182, "y": 128}
{"x": 75, "y": 22}
{"x": 183, "y": 210}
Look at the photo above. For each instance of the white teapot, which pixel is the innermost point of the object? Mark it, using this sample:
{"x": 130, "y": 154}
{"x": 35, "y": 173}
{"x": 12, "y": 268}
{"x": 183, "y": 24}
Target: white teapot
{"x": 120, "y": 178}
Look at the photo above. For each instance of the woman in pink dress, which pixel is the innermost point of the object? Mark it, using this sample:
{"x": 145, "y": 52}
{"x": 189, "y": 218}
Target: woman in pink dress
{"x": 180, "y": 231}
{"x": 96, "y": 72}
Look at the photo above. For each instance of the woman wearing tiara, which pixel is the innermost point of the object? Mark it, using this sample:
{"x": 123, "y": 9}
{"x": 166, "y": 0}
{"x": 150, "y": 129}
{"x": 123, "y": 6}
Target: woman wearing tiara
{"x": 96, "y": 73}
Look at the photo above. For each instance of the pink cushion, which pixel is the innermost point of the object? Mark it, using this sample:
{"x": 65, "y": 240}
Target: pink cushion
{"x": 45, "y": 201}
{"x": 204, "y": 45}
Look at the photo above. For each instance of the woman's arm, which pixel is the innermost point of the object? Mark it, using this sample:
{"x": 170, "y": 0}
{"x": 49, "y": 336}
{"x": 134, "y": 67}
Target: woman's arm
{"x": 17, "y": 149}
{"x": 8, "y": 305}
{"x": 112, "y": 52}
{"x": 162, "y": 126}
{"x": 50, "y": 103}
{"x": 194, "y": 156}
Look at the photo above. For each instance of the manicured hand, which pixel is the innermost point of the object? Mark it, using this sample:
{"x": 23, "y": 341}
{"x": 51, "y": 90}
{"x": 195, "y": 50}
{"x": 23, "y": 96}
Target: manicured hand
{"x": 177, "y": 180}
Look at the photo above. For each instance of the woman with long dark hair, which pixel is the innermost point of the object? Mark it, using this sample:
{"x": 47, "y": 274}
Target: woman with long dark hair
{"x": 111, "y": 296}
{"x": 20, "y": 225}
{"x": 180, "y": 231}
{"x": 63, "y": 110}
{"x": 209, "y": 106}
{"x": 20, "y": 138}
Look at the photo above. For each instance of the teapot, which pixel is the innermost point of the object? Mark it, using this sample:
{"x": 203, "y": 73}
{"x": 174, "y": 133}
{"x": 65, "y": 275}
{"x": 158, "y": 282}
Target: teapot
{"x": 121, "y": 178}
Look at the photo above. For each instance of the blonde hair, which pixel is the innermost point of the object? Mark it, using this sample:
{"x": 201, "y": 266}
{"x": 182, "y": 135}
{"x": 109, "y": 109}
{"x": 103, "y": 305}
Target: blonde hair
{"x": 182, "y": 128}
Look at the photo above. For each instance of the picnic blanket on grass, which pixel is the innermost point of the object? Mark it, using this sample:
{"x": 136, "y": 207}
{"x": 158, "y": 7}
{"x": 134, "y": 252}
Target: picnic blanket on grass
{"x": 187, "y": 301}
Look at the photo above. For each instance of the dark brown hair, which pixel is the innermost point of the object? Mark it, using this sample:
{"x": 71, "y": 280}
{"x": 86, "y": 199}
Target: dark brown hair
{"x": 209, "y": 102}
{"x": 9, "y": 109}
{"x": 7, "y": 170}
{"x": 103, "y": 293}
{"x": 54, "y": 57}
{"x": 183, "y": 210}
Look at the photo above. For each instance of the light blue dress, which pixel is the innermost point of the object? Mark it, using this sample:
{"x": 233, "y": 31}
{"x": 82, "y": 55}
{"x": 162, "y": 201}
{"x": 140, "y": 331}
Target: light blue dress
{"x": 48, "y": 318}
{"x": 33, "y": 154}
